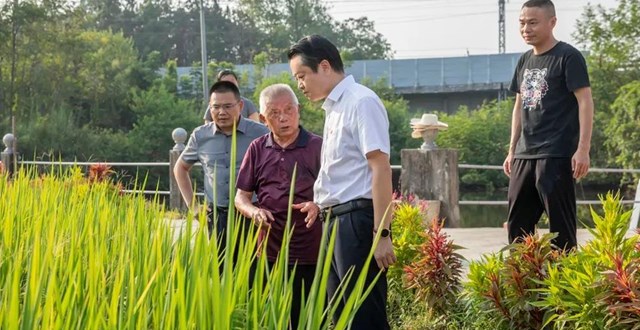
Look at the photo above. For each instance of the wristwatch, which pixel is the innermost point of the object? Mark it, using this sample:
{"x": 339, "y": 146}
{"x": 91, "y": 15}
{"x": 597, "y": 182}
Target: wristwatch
{"x": 383, "y": 233}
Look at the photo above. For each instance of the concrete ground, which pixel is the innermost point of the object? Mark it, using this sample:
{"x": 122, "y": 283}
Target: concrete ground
{"x": 479, "y": 241}
{"x": 476, "y": 241}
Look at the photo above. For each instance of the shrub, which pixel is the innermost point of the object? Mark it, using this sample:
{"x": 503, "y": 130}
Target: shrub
{"x": 436, "y": 275}
{"x": 595, "y": 287}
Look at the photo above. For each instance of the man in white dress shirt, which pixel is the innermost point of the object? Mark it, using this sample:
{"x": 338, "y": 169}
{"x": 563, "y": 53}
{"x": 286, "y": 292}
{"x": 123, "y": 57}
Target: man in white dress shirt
{"x": 354, "y": 183}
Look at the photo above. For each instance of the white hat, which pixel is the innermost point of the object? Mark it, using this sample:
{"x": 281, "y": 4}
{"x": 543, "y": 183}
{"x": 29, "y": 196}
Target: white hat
{"x": 428, "y": 120}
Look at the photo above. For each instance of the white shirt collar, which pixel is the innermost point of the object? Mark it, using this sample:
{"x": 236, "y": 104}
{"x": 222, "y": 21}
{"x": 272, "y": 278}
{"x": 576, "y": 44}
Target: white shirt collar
{"x": 337, "y": 91}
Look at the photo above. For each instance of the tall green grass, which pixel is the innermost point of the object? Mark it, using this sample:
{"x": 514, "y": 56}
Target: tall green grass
{"x": 76, "y": 254}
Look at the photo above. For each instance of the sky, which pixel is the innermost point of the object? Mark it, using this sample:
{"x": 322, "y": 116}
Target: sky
{"x": 443, "y": 28}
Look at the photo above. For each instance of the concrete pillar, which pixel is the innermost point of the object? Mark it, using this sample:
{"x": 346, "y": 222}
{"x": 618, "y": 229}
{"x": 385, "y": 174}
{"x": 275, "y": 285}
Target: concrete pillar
{"x": 179, "y": 136}
{"x": 433, "y": 175}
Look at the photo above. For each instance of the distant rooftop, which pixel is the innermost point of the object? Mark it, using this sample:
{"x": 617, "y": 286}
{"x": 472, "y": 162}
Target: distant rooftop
{"x": 416, "y": 76}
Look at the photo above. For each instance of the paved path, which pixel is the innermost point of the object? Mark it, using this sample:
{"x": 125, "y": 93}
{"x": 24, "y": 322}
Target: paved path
{"x": 478, "y": 241}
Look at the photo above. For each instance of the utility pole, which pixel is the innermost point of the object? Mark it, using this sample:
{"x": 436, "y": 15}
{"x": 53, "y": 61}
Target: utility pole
{"x": 502, "y": 93}
{"x": 203, "y": 47}
{"x": 501, "y": 28}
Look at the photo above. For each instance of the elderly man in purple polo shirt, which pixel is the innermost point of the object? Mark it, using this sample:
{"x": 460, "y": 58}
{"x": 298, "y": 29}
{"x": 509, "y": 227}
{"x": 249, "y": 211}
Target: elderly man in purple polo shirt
{"x": 267, "y": 170}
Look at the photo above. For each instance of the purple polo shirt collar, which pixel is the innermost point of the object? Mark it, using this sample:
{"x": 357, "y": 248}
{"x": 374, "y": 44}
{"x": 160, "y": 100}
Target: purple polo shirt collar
{"x": 301, "y": 140}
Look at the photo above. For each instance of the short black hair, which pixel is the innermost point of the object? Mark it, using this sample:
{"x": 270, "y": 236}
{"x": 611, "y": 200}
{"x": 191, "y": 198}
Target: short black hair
{"x": 544, "y": 4}
{"x": 225, "y": 87}
{"x": 224, "y": 73}
{"x": 314, "y": 49}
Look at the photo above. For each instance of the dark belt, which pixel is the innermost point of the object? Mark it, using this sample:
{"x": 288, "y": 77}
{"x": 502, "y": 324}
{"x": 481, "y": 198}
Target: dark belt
{"x": 344, "y": 208}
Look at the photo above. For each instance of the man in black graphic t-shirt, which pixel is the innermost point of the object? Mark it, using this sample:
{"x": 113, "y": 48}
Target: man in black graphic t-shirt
{"x": 550, "y": 129}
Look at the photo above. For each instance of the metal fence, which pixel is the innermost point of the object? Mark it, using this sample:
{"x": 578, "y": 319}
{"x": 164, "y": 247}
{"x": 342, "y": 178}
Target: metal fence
{"x": 180, "y": 137}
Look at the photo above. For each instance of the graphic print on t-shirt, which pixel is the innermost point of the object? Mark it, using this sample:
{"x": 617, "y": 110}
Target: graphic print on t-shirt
{"x": 533, "y": 88}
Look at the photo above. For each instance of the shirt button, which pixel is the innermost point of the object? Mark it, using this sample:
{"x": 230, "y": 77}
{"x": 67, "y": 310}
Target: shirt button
{"x": 282, "y": 159}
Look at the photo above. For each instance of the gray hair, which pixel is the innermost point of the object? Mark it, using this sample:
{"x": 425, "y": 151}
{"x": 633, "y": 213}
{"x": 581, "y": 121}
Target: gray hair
{"x": 276, "y": 90}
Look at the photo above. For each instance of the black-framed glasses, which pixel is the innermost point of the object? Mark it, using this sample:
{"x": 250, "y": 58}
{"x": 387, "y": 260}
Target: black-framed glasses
{"x": 225, "y": 107}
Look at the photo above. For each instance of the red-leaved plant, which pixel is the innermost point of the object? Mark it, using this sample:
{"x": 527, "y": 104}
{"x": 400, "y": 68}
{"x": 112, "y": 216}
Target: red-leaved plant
{"x": 436, "y": 275}
{"x": 99, "y": 172}
{"x": 524, "y": 271}
{"x": 623, "y": 297}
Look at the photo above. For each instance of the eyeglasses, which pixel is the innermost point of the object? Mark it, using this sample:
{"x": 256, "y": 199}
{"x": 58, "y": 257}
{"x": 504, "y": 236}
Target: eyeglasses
{"x": 278, "y": 114}
{"x": 225, "y": 107}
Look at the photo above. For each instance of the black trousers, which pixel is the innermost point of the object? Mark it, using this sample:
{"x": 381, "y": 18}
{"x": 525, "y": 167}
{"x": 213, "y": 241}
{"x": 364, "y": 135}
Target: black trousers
{"x": 543, "y": 185}
{"x": 353, "y": 243}
{"x": 302, "y": 280}
{"x": 217, "y": 222}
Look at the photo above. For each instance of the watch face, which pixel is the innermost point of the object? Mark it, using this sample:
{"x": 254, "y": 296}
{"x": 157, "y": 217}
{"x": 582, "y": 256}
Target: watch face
{"x": 385, "y": 233}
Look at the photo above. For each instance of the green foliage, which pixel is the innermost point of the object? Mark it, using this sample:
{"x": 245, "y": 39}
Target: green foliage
{"x": 610, "y": 231}
{"x": 82, "y": 255}
{"x": 610, "y": 36}
{"x": 158, "y": 112}
{"x": 55, "y": 136}
{"x": 594, "y": 287}
{"x": 407, "y": 226}
{"x": 621, "y": 129}
{"x": 437, "y": 272}
{"x": 509, "y": 288}
{"x": 623, "y": 296}
{"x": 285, "y": 22}
{"x": 481, "y": 137}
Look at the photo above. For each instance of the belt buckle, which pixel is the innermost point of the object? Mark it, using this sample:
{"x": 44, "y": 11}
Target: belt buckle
{"x": 324, "y": 213}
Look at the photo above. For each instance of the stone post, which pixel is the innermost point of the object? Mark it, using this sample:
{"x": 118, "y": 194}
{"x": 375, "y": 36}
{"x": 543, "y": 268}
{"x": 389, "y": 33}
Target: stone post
{"x": 8, "y": 156}
{"x": 179, "y": 136}
{"x": 433, "y": 175}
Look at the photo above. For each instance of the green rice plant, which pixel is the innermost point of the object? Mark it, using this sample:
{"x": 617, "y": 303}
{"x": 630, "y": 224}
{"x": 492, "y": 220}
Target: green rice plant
{"x": 76, "y": 254}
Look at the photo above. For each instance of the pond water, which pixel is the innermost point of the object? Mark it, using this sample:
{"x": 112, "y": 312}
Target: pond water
{"x": 472, "y": 216}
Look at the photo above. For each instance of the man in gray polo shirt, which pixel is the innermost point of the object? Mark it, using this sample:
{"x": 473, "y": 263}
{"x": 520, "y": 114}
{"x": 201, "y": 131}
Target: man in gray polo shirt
{"x": 248, "y": 109}
{"x": 210, "y": 144}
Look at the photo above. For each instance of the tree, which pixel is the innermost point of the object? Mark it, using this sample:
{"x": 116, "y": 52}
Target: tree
{"x": 622, "y": 130}
{"x": 478, "y": 142}
{"x": 104, "y": 75}
{"x": 287, "y": 21}
{"x": 611, "y": 37}
{"x": 359, "y": 37}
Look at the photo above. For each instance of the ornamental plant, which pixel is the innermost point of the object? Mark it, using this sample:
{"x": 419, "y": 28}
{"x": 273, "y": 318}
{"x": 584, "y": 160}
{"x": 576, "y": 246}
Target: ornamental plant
{"x": 507, "y": 287}
{"x": 408, "y": 224}
{"x": 623, "y": 295}
{"x": 530, "y": 286}
{"x": 436, "y": 274}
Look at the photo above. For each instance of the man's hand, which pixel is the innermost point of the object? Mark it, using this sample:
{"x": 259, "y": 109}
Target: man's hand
{"x": 311, "y": 209}
{"x": 580, "y": 164}
{"x": 506, "y": 166}
{"x": 197, "y": 210}
{"x": 384, "y": 254}
{"x": 262, "y": 219}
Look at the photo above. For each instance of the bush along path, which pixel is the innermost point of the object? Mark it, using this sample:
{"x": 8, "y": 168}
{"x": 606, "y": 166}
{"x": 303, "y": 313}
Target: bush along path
{"x": 528, "y": 285}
